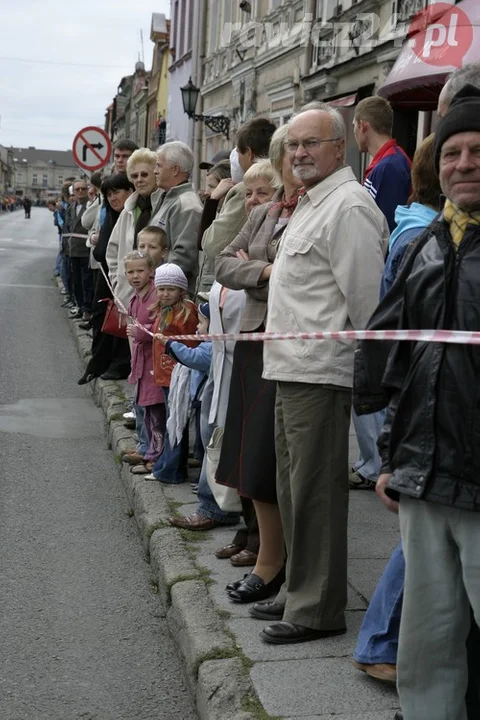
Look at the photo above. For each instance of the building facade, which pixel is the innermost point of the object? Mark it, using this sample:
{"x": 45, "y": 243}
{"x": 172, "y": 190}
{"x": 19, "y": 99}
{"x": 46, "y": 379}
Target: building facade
{"x": 157, "y": 99}
{"x": 270, "y": 57}
{"x": 40, "y": 174}
{"x": 184, "y": 63}
{"x": 6, "y": 170}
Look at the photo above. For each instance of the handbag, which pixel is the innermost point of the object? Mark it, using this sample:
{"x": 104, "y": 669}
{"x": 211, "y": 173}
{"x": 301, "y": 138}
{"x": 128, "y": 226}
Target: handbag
{"x": 114, "y": 323}
{"x": 226, "y": 498}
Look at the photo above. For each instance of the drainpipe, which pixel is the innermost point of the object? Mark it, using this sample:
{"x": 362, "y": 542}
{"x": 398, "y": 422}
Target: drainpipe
{"x": 310, "y": 10}
{"x": 198, "y": 52}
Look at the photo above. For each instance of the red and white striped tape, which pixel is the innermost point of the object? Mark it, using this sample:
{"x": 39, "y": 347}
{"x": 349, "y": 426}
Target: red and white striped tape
{"x": 460, "y": 337}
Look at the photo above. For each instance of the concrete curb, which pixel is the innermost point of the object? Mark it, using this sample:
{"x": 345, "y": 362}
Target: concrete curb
{"x": 216, "y": 671}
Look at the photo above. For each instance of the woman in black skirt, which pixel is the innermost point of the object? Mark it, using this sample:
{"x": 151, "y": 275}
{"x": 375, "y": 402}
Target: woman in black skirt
{"x": 247, "y": 460}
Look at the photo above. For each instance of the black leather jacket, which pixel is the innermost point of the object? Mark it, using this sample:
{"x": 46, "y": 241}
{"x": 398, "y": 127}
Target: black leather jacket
{"x": 431, "y": 438}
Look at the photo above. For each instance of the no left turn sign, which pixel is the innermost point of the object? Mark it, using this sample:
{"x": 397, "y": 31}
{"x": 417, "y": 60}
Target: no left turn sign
{"x": 91, "y": 148}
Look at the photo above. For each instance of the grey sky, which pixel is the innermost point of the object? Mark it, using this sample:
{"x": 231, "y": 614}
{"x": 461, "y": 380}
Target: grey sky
{"x": 43, "y": 104}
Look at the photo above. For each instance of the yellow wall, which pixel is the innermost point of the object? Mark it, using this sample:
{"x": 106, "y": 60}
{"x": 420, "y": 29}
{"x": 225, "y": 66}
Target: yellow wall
{"x": 162, "y": 93}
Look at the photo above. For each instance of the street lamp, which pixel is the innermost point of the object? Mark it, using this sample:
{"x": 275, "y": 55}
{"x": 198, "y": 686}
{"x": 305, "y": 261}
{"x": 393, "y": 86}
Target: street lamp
{"x": 217, "y": 123}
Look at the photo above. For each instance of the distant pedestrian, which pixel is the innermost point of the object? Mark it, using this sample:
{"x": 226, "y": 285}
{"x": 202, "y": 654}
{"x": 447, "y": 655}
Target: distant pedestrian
{"x": 27, "y": 206}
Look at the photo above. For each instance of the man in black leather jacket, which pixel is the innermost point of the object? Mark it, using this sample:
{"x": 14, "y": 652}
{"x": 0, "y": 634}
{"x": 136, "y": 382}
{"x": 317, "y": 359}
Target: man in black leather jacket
{"x": 430, "y": 445}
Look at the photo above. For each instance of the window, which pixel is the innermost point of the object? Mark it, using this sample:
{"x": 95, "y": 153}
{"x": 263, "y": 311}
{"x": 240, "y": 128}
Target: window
{"x": 60, "y": 180}
{"x": 44, "y": 181}
{"x": 20, "y": 177}
{"x": 212, "y": 43}
{"x": 183, "y": 26}
{"x": 176, "y": 40}
{"x": 35, "y": 179}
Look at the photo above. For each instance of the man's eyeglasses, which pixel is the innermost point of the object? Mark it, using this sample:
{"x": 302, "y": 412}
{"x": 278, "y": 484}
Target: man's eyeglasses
{"x": 292, "y": 146}
{"x": 79, "y": 189}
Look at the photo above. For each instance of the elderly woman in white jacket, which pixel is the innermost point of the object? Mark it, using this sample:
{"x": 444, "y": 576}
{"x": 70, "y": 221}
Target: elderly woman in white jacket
{"x": 136, "y": 215}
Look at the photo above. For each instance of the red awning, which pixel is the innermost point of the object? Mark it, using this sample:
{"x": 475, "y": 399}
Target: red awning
{"x": 413, "y": 82}
{"x": 345, "y": 101}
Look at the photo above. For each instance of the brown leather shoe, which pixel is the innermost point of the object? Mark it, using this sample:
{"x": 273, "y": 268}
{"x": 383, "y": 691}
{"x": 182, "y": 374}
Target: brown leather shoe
{"x": 193, "y": 522}
{"x": 244, "y": 558}
{"x": 227, "y": 551}
{"x": 379, "y": 671}
{"x": 382, "y": 671}
{"x": 132, "y": 457}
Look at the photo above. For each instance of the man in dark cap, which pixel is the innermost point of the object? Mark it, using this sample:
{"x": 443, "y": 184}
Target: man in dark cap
{"x": 430, "y": 444}
{"x": 208, "y": 164}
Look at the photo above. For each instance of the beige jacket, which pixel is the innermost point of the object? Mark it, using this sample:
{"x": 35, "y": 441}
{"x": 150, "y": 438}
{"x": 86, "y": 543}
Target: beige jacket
{"x": 257, "y": 238}
{"x": 121, "y": 243}
{"x": 225, "y": 228}
{"x": 326, "y": 276}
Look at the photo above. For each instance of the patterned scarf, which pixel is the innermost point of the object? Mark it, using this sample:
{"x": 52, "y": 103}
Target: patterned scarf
{"x": 287, "y": 205}
{"x": 144, "y": 204}
{"x": 458, "y": 221}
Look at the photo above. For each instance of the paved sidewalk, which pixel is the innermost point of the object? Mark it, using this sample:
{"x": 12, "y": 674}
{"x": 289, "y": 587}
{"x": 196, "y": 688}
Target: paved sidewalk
{"x": 232, "y": 673}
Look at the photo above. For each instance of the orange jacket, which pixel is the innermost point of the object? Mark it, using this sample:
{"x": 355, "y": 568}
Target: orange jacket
{"x": 163, "y": 364}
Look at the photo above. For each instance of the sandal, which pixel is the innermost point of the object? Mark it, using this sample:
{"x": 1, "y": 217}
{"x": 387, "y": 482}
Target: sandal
{"x": 142, "y": 469}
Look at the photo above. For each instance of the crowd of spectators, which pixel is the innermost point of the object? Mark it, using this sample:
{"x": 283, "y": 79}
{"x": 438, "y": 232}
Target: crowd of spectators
{"x": 283, "y": 238}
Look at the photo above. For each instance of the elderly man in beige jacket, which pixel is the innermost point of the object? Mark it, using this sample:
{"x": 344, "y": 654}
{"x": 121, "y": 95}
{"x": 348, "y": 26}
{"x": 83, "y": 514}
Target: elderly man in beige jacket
{"x": 326, "y": 276}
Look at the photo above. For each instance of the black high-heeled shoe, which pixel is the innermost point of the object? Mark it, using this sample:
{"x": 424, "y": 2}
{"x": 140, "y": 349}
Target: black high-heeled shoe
{"x": 86, "y": 378}
{"x": 254, "y": 589}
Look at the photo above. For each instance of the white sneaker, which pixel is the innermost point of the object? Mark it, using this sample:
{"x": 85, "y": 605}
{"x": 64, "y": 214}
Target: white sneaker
{"x": 129, "y": 416}
{"x": 74, "y": 310}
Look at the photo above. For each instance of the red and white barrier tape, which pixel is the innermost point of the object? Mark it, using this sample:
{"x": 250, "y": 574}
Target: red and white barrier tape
{"x": 458, "y": 337}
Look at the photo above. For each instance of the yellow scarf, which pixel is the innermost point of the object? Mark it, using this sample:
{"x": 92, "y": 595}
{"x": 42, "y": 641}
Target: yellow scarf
{"x": 458, "y": 221}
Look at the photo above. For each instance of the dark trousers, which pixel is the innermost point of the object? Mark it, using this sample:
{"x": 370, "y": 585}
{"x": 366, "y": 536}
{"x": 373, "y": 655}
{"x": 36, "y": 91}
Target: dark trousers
{"x": 82, "y": 283}
{"x": 248, "y": 537}
{"x": 473, "y": 660}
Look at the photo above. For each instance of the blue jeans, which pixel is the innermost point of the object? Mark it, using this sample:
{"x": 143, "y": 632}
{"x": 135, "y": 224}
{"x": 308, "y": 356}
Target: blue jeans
{"x": 58, "y": 264}
{"x": 367, "y": 428}
{"x": 66, "y": 275}
{"x": 207, "y": 505}
{"x": 142, "y": 444}
{"x": 171, "y": 467}
{"x": 378, "y": 637}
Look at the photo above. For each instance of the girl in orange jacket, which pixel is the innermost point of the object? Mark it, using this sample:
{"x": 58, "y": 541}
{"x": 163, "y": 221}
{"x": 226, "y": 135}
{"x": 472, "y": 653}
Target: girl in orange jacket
{"x": 175, "y": 315}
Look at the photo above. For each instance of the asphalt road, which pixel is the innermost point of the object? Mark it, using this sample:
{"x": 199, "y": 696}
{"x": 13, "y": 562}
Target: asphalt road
{"x": 82, "y": 634}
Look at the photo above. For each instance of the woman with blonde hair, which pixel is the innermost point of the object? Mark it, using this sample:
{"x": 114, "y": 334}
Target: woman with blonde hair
{"x": 247, "y": 460}
{"x": 136, "y": 215}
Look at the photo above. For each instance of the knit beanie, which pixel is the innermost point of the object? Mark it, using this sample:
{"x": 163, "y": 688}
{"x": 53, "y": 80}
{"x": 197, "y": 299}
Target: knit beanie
{"x": 171, "y": 275}
{"x": 204, "y": 310}
{"x": 463, "y": 116}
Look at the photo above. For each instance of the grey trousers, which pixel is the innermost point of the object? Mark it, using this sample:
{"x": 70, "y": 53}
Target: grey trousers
{"x": 311, "y": 441}
{"x": 441, "y": 546}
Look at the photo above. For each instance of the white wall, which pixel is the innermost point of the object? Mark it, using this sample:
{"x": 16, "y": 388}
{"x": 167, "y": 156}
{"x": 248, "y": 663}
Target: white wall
{"x": 179, "y": 127}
